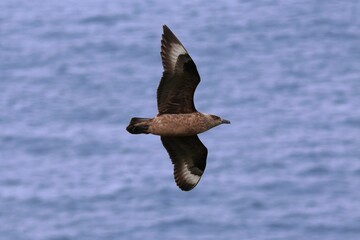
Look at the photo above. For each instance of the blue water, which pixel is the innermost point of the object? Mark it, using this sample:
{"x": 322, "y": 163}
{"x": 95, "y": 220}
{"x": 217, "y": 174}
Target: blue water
{"x": 285, "y": 72}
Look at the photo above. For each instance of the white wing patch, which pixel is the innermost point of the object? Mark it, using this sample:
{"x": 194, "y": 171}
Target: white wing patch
{"x": 175, "y": 50}
{"x": 187, "y": 175}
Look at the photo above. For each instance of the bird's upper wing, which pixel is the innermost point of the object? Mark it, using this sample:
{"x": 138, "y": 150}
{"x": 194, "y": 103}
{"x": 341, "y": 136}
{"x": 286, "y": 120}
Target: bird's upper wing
{"x": 188, "y": 154}
{"x": 180, "y": 77}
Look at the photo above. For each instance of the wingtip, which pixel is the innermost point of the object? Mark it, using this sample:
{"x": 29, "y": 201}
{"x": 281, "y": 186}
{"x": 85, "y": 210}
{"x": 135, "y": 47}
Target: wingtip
{"x": 170, "y": 35}
{"x": 171, "y": 48}
{"x": 165, "y": 29}
{"x": 186, "y": 187}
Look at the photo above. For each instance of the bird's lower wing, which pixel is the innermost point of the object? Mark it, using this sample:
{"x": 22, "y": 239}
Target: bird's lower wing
{"x": 188, "y": 154}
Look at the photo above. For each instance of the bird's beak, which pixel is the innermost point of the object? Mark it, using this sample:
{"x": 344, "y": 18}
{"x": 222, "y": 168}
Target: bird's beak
{"x": 225, "y": 121}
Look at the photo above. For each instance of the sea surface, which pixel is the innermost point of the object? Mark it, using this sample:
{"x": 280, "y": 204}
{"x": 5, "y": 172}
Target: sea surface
{"x": 285, "y": 72}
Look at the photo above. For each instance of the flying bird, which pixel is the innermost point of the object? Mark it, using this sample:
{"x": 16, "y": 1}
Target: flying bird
{"x": 178, "y": 122}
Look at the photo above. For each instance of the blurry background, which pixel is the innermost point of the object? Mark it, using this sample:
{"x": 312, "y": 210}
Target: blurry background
{"x": 285, "y": 72}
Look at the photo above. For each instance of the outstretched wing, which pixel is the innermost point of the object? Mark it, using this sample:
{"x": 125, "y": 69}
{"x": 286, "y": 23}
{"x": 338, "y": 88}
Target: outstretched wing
{"x": 175, "y": 93}
{"x": 188, "y": 154}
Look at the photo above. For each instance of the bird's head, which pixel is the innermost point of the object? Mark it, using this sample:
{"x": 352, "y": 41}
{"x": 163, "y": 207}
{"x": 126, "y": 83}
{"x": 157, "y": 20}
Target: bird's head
{"x": 218, "y": 120}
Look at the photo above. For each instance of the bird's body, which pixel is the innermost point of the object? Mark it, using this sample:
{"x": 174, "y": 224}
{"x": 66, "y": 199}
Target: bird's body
{"x": 168, "y": 124}
{"x": 178, "y": 122}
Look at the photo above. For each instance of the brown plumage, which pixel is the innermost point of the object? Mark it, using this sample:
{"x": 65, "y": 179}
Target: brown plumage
{"x": 178, "y": 122}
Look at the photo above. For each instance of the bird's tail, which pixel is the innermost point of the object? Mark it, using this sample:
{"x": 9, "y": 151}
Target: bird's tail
{"x": 139, "y": 125}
